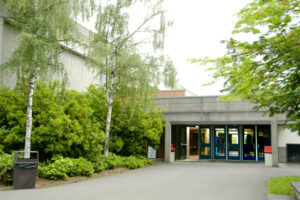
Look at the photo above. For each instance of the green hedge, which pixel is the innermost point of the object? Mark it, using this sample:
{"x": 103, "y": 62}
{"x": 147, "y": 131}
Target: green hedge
{"x": 114, "y": 161}
{"x": 63, "y": 168}
{"x": 6, "y": 169}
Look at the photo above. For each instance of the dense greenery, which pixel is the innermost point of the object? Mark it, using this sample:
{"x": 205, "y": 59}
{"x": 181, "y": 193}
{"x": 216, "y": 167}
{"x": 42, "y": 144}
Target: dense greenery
{"x": 71, "y": 124}
{"x": 282, "y": 185}
{"x": 266, "y": 68}
{"x": 62, "y": 168}
{"x": 6, "y": 168}
{"x": 62, "y": 122}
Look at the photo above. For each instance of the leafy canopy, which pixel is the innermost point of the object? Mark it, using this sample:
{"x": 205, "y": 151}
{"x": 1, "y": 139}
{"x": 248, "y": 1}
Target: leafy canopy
{"x": 267, "y": 69}
{"x": 116, "y": 47}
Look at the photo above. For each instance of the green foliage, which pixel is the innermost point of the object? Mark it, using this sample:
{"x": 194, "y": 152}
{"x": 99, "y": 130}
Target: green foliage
{"x": 282, "y": 185}
{"x": 6, "y": 168}
{"x": 266, "y": 70}
{"x": 133, "y": 162}
{"x": 138, "y": 125}
{"x": 114, "y": 161}
{"x": 71, "y": 124}
{"x": 63, "y": 122}
{"x": 63, "y": 168}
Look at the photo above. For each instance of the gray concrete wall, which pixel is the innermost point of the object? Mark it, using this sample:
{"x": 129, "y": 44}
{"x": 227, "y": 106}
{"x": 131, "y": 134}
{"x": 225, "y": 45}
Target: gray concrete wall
{"x": 282, "y": 154}
{"x": 79, "y": 75}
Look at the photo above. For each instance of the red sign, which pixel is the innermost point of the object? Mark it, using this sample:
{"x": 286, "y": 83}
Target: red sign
{"x": 173, "y": 147}
{"x": 268, "y": 149}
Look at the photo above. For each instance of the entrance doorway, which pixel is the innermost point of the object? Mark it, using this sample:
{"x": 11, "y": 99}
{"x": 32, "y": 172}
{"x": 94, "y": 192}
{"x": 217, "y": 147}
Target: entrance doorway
{"x": 193, "y": 142}
{"x": 221, "y": 142}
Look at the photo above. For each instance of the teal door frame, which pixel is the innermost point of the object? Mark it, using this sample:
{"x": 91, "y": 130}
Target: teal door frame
{"x": 219, "y": 143}
{"x": 251, "y": 143}
{"x": 233, "y": 146}
{"x": 183, "y": 143}
{"x": 202, "y": 144}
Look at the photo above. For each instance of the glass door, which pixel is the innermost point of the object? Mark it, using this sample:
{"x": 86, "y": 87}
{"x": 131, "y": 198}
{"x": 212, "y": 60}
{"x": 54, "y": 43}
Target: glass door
{"x": 263, "y": 139}
{"x": 205, "y": 144}
{"x": 249, "y": 146}
{"x": 183, "y": 143}
{"x": 220, "y": 142}
{"x": 233, "y": 143}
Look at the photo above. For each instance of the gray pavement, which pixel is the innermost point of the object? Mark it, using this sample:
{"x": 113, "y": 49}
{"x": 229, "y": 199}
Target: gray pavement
{"x": 177, "y": 181}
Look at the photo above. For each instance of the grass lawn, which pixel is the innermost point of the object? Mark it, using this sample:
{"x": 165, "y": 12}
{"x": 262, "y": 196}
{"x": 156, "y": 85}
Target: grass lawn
{"x": 281, "y": 185}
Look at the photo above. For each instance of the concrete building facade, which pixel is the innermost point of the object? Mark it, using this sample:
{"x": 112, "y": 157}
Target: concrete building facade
{"x": 233, "y": 122}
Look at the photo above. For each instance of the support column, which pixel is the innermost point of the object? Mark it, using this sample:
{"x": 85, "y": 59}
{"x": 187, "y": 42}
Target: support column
{"x": 274, "y": 139}
{"x": 168, "y": 130}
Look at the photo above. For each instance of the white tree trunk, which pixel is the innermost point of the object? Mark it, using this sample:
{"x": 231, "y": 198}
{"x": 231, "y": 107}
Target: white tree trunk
{"x": 29, "y": 118}
{"x": 108, "y": 117}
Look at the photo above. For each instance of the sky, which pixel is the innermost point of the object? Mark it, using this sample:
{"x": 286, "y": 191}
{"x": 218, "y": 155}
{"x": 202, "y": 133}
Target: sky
{"x": 198, "y": 28}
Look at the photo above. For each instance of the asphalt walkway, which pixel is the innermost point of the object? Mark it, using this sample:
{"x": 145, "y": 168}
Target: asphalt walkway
{"x": 177, "y": 181}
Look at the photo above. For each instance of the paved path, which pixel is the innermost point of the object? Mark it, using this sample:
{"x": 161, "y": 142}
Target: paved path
{"x": 177, "y": 181}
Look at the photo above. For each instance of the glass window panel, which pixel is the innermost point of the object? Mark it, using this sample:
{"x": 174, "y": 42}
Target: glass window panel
{"x": 205, "y": 136}
{"x": 220, "y": 151}
{"x": 205, "y": 151}
{"x": 233, "y": 136}
{"x": 233, "y": 151}
{"x": 249, "y": 137}
{"x": 220, "y": 136}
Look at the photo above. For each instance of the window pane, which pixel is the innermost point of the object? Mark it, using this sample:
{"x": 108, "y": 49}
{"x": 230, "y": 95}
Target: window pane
{"x": 233, "y": 151}
{"x": 233, "y": 136}
{"x": 220, "y": 151}
{"x": 205, "y": 136}
{"x": 205, "y": 151}
{"x": 220, "y": 136}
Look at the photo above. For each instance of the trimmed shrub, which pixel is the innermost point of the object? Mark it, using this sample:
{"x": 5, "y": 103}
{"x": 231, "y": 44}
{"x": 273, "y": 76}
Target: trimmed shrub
{"x": 6, "y": 168}
{"x": 63, "y": 168}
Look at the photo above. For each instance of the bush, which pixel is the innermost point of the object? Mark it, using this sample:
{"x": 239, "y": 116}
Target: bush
{"x": 6, "y": 168}
{"x": 63, "y": 122}
{"x": 133, "y": 162}
{"x": 137, "y": 126}
{"x": 113, "y": 161}
{"x": 63, "y": 168}
{"x": 71, "y": 124}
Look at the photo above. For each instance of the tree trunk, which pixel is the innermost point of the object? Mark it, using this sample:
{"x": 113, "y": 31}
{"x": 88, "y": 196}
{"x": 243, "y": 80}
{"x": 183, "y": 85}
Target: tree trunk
{"x": 108, "y": 117}
{"x": 29, "y": 117}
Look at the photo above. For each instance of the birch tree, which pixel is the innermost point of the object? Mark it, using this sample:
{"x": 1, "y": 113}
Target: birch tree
{"x": 116, "y": 52}
{"x": 42, "y": 26}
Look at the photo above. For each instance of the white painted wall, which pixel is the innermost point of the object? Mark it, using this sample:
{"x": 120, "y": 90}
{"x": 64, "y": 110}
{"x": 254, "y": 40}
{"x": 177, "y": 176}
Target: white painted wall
{"x": 285, "y": 136}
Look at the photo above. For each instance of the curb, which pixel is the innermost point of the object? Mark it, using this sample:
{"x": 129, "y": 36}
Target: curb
{"x": 280, "y": 197}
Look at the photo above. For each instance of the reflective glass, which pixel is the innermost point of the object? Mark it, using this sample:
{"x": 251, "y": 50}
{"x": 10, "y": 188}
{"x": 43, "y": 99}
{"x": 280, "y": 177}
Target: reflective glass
{"x": 220, "y": 136}
{"x": 233, "y": 136}
{"x": 220, "y": 151}
{"x": 205, "y": 136}
{"x": 205, "y": 151}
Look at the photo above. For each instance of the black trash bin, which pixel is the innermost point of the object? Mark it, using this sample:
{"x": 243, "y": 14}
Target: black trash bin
{"x": 25, "y": 170}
